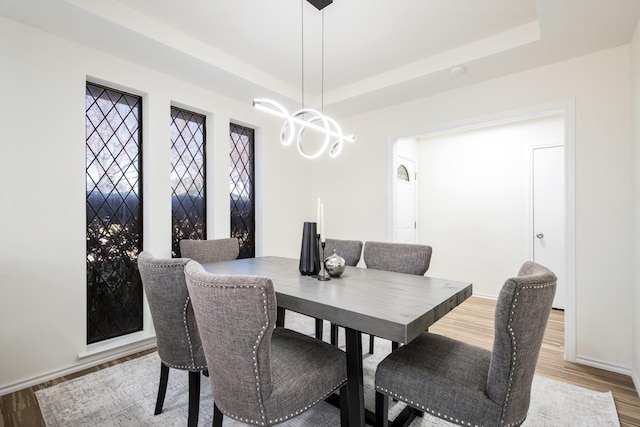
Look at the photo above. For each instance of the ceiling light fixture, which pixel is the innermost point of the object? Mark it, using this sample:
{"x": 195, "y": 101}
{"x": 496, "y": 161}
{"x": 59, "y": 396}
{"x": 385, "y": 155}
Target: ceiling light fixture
{"x": 307, "y": 118}
{"x": 458, "y": 70}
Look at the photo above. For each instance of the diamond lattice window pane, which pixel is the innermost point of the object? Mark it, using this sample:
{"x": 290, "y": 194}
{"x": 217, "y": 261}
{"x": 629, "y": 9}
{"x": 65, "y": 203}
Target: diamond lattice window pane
{"x": 188, "y": 192}
{"x": 242, "y": 189}
{"x": 114, "y": 220}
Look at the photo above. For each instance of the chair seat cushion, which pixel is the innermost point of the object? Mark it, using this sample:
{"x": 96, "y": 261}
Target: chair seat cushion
{"x": 304, "y": 371}
{"x": 440, "y": 376}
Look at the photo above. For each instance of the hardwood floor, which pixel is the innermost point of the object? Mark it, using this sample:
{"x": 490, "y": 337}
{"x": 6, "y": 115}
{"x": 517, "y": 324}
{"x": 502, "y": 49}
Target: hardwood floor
{"x": 471, "y": 322}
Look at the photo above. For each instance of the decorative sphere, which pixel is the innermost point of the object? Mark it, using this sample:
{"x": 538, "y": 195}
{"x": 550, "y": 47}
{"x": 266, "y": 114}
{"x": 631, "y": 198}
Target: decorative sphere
{"x": 334, "y": 264}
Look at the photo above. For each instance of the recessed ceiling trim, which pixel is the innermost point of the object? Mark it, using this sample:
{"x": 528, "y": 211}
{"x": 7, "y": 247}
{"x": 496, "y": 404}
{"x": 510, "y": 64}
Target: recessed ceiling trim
{"x": 514, "y": 38}
{"x": 192, "y": 44}
{"x": 165, "y": 35}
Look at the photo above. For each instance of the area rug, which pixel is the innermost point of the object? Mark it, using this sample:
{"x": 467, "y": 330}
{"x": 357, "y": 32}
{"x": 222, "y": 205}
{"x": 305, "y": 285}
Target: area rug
{"x": 124, "y": 395}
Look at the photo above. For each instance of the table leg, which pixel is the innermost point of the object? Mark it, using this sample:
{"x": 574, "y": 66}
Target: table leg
{"x": 280, "y": 317}
{"x": 355, "y": 393}
{"x": 319, "y": 327}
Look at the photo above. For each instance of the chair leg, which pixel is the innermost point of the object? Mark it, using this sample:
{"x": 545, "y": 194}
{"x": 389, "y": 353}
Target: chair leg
{"x": 194, "y": 398}
{"x": 371, "y": 343}
{"x": 334, "y": 334}
{"x": 344, "y": 407}
{"x": 217, "y": 416}
{"x": 382, "y": 410}
{"x": 162, "y": 388}
{"x": 319, "y": 328}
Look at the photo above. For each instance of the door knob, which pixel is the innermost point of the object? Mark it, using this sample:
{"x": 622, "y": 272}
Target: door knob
{"x": 539, "y": 235}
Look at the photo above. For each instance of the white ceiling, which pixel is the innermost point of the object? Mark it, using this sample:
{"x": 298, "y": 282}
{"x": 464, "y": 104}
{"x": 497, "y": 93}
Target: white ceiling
{"x": 376, "y": 52}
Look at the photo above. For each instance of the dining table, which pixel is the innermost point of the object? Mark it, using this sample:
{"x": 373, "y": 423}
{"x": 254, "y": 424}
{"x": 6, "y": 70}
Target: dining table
{"x": 390, "y": 305}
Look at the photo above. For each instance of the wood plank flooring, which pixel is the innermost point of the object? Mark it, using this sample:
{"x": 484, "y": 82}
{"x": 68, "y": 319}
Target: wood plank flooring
{"x": 471, "y": 322}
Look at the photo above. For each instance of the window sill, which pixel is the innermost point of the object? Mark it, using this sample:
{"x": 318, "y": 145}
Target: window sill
{"x": 118, "y": 347}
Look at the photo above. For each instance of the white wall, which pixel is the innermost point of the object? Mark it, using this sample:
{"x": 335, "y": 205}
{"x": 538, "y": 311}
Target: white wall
{"x": 42, "y": 225}
{"x": 474, "y": 203}
{"x": 600, "y": 85}
{"x": 635, "y": 284}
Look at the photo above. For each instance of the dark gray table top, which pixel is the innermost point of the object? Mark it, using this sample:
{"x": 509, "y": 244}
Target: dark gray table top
{"x": 389, "y": 305}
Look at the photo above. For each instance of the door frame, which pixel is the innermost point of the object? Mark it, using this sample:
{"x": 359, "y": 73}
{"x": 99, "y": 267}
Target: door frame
{"x": 565, "y": 107}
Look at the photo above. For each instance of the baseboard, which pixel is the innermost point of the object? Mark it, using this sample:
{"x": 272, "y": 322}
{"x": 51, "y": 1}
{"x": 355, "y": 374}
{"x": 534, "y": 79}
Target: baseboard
{"x": 604, "y": 366}
{"x": 483, "y": 296}
{"x": 636, "y": 382}
{"x": 83, "y": 363}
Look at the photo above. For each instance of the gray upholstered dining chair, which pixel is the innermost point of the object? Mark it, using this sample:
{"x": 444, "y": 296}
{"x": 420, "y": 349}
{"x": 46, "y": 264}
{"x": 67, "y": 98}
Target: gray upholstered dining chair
{"x": 409, "y": 258}
{"x": 213, "y": 250}
{"x": 351, "y": 251}
{"x": 469, "y": 385}
{"x": 263, "y": 375}
{"x": 177, "y": 336}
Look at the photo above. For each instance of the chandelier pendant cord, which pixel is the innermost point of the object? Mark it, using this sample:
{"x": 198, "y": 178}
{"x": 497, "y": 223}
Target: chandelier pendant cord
{"x": 302, "y": 49}
{"x": 296, "y": 123}
{"x": 322, "y": 68}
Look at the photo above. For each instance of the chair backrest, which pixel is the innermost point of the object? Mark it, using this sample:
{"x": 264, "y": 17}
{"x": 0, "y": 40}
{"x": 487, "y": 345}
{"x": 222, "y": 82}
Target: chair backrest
{"x": 210, "y": 250}
{"x": 350, "y": 250}
{"x": 236, "y": 316}
{"x": 522, "y": 311}
{"x": 178, "y": 340}
{"x": 399, "y": 257}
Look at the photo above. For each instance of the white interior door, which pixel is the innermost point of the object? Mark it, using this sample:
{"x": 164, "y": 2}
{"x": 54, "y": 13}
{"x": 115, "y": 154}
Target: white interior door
{"x": 405, "y": 206}
{"x": 549, "y": 215}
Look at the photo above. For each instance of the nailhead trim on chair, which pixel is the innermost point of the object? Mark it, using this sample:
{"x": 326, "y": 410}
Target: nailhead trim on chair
{"x": 424, "y": 408}
{"x": 193, "y": 366}
{"x": 438, "y": 414}
{"x": 514, "y": 353}
{"x": 309, "y": 406}
{"x": 255, "y": 364}
{"x": 513, "y": 364}
{"x": 255, "y": 348}
{"x": 188, "y": 333}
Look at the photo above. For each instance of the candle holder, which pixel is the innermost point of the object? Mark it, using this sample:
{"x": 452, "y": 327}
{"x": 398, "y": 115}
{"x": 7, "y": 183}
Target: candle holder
{"x": 323, "y": 277}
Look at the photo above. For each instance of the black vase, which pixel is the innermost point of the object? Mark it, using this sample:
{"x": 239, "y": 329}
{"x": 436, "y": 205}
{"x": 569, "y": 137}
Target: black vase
{"x": 309, "y": 253}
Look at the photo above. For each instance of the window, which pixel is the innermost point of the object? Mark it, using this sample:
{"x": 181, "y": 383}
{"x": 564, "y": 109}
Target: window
{"x": 403, "y": 173}
{"x": 243, "y": 224}
{"x": 188, "y": 200}
{"x": 114, "y": 212}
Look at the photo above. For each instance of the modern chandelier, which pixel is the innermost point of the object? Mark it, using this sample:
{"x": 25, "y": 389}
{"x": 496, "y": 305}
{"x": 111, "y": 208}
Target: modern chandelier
{"x": 297, "y": 123}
